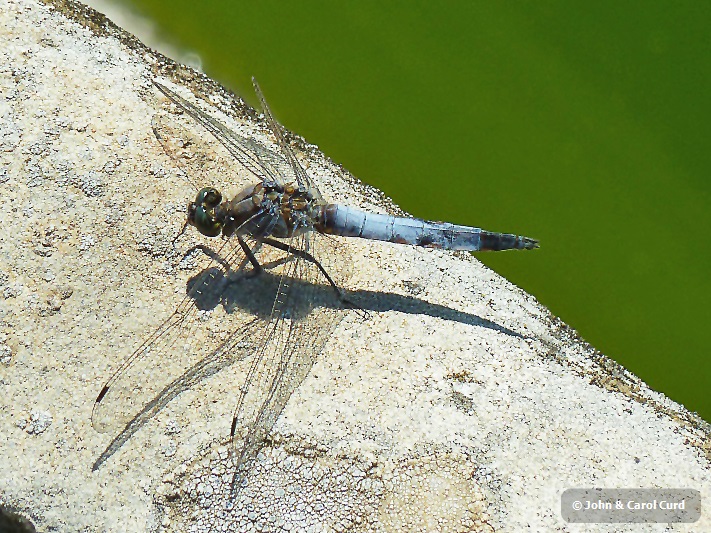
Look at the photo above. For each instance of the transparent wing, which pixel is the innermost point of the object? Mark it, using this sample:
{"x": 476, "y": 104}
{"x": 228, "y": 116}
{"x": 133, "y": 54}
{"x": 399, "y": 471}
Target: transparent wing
{"x": 305, "y": 312}
{"x": 268, "y": 166}
{"x": 187, "y": 336}
{"x": 302, "y": 177}
{"x": 282, "y": 317}
{"x": 199, "y": 327}
{"x": 178, "y": 145}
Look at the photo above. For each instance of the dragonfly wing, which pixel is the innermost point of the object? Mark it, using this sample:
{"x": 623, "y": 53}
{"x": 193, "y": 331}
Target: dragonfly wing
{"x": 305, "y": 312}
{"x": 182, "y": 341}
{"x": 268, "y": 166}
{"x": 302, "y": 177}
{"x": 235, "y": 348}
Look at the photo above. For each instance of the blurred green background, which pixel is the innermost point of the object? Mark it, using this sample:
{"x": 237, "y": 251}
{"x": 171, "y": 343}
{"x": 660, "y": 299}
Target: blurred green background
{"x": 583, "y": 124}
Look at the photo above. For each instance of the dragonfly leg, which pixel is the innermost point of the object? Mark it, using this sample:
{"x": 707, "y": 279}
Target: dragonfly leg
{"x": 305, "y": 255}
{"x": 250, "y": 255}
{"x": 180, "y": 233}
{"x": 210, "y": 253}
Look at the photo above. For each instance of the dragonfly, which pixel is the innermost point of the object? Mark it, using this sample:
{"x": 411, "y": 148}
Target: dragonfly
{"x": 281, "y": 247}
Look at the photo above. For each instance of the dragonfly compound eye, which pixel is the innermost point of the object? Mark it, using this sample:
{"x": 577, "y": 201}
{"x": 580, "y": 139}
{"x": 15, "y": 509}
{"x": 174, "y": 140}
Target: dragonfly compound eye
{"x": 205, "y": 222}
{"x": 201, "y": 213}
{"x": 209, "y": 197}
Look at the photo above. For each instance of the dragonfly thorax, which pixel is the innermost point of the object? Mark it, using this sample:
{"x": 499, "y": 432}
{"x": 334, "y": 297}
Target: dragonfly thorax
{"x": 259, "y": 210}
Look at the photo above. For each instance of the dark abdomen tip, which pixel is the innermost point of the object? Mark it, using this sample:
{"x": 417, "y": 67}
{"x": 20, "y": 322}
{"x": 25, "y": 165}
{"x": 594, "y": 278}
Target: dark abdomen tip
{"x": 526, "y": 243}
{"x": 506, "y": 241}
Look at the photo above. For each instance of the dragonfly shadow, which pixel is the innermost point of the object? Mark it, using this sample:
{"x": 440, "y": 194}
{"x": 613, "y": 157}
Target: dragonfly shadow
{"x": 380, "y": 302}
{"x": 254, "y": 295}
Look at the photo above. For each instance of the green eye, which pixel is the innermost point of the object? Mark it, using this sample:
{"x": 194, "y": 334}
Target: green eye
{"x": 202, "y": 214}
{"x": 206, "y": 223}
{"x": 209, "y": 197}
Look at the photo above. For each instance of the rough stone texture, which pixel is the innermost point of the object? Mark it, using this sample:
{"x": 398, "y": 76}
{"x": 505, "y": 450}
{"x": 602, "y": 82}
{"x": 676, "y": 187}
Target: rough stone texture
{"x": 459, "y": 404}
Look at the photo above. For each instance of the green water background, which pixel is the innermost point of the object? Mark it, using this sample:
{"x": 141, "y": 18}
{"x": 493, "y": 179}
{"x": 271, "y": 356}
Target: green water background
{"x": 583, "y": 124}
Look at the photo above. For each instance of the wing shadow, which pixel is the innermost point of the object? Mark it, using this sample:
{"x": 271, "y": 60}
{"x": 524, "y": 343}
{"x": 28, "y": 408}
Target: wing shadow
{"x": 254, "y": 295}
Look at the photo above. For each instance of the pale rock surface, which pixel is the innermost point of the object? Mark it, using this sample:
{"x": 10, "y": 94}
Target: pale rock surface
{"x": 459, "y": 404}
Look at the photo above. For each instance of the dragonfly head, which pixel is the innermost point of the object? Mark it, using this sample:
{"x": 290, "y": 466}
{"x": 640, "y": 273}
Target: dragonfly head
{"x": 201, "y": 212}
